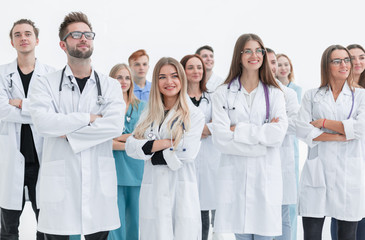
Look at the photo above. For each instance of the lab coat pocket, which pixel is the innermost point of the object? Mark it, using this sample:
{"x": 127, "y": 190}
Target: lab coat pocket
{"x": 313, "y": 173}
{"x": 4, "y": 145}
{"x": 187, "y": 200}
{"x": 108, "y": 176}
{"x": 146, "y": 202}
{"x": 52, "y": 181}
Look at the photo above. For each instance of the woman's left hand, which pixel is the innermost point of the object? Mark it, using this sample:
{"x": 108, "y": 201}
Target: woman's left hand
{"x": 317, "y": 123}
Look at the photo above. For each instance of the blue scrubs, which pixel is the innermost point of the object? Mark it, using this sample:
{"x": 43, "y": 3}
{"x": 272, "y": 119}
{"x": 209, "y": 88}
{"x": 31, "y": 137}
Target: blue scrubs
{"x": 129, "y": 173}
{"x": 293, "y": 208}
{"x": 142, "y": 93}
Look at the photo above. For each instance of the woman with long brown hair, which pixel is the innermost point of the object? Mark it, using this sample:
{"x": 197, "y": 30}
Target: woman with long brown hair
{"x": 250, "y": 123}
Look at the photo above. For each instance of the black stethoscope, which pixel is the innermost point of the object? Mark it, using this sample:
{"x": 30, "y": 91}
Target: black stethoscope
{"x": 10, "y": 85}
{"x": 100, "y": 100}
{"x": 129, "y": 117}
{"x": 267, "y": 100}
{"x": 152, "y": 136}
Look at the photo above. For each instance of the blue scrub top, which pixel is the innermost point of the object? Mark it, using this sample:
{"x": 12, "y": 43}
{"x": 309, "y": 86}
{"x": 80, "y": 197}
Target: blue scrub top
{"x": 297, "y": 89}
{"x": 142, "y": 93}
{"x": 129, "y": 170}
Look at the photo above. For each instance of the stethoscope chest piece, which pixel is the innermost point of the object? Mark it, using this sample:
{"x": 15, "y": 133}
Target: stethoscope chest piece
{"x": 128, "y": 119}
{"x": 151, "y": 136}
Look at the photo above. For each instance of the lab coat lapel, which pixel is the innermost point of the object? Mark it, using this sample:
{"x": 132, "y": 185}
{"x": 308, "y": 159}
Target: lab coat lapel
{"x": 13, "y": 74}
{"x": 165, "y": 128}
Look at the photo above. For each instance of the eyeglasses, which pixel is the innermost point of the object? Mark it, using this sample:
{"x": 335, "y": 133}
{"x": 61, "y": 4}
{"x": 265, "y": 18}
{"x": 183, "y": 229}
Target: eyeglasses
{"x": 258, "y": 52}
{"x": 338, "y": 61}
{"x": 78, "y": 35}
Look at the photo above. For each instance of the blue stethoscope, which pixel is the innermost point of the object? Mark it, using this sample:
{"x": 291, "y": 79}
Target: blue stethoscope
{"x": 100, "y": 100}
{"x": 267, "y": 100}
{"x": 152, "y": 136}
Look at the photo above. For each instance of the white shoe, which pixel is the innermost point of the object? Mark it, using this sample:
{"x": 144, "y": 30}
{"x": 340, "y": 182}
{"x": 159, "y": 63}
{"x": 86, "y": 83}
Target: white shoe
{"x": 217, "y": 236}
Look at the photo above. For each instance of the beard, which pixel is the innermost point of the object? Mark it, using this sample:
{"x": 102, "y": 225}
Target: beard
{"x": 74, "y": 52}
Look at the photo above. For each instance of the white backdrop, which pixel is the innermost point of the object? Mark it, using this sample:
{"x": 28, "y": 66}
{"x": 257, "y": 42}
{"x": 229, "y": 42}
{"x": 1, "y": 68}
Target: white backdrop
{"x": 302, "y": 29}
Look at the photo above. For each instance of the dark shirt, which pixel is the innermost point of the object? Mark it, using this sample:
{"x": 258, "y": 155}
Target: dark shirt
{"x": 27, "y": 147}
{"x": 196, "y": 102}
{"x": 82, "y": 82}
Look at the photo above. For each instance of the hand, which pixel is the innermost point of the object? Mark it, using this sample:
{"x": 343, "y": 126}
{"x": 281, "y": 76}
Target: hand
{"x": 204, "y": 136}
{"x": 274, "y": 120}
{"x": 16, "y": 102}
{"x": 341, "y": 138}
{"x": 233, "y": 127}
{"x": 64, "y": 136}
{"x": 93, "y": 117}
{"x": 317, "y": 123}
{"x": 123, "y": 137}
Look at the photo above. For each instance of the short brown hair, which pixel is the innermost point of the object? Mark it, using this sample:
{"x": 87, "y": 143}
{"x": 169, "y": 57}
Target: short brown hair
{"x": 72, "y": 17}
{"x": 25, "y": 21}
{"x": 137, "y": 54}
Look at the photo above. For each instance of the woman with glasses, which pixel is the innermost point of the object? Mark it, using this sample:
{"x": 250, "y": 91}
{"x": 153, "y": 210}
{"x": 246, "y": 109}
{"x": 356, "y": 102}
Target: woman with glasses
{"x": 167, "y": 137}
{"x": 129, "y": 170}
{"x": 250, "y": 123}
{"x": 285, "y": 74}
{"x": 207, "y": 161}
{"x": 358, "y": 61}
{"x": 332, "y": 122}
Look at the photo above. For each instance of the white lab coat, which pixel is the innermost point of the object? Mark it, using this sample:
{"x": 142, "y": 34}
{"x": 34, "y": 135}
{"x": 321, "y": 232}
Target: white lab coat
{"x": 332, "y": 182}
{"x": 207, "y": 160}
{"x": 169, "y": 201}
{"x": 287, "y": 154}
{"x": 213, "y": 82}
{"x": 249, "y": 177}
{"x": 78, "y": 182}
{"x": 12, "y": 164}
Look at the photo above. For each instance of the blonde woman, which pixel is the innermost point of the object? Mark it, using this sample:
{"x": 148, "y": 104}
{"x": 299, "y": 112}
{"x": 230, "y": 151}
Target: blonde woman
{"x": 129, "y": 170}
{"x": 167, "y": 137}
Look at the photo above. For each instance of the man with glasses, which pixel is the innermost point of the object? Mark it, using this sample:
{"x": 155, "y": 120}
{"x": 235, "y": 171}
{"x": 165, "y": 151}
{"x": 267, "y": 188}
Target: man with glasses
{"x": 20, "y": 144}
{"x": 78, "y": 111}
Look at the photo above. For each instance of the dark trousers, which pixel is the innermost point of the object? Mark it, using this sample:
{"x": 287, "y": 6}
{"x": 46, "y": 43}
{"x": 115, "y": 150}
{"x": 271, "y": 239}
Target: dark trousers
{"x": 94, "y": 236}
{"x": 10, "y": 218}
{"x": 206, "y": 223}
{"x": 313, "y": 229}
{"x": 360, "y": 232}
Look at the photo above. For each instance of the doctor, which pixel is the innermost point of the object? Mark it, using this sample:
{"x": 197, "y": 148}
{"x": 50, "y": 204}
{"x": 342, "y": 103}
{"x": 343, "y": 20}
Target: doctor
{"x": 20, "y": 144}
{"x": 287, "y": 153}
{"x": 207, "y": 161}
{"x": 167, "y": 137}
{"x": 250, "y": 123}
{"x": 332, "y": 122}
{"x": 79, "y": 112}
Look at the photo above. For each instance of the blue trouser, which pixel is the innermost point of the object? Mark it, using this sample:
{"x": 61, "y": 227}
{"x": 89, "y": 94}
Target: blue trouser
{"x": 286, "y": 224}
{"x": 251, "y": 237}
{"x": 360, "y": 232}
{"x": 128, "y": 204}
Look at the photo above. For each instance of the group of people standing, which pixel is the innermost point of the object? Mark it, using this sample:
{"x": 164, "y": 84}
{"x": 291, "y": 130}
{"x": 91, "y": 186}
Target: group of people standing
{"x": 120, "y": 157}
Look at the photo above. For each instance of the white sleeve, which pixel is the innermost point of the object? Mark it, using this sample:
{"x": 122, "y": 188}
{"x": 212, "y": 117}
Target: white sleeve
{"x": 268, "y": 134}
{"x": 222, "y": 136}
{"x": 355, "y": 125}
{"x": 133, "y": 148}
{"x": 43, "y": 108}
{"x": 9, "y": 113}
{"x": 109, "y": 126}
{"x": 292, "y": 108}
{"x": 304, "y": 130}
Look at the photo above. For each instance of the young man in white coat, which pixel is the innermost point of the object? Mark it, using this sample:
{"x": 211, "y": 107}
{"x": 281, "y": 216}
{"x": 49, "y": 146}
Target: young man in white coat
{"x": 207, "y": 54}
{"x": 78, "y": 111}
{"x": 20, "y": 144}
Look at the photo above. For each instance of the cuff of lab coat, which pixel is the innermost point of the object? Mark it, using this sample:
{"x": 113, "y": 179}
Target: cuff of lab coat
{"x": 243, "y": 134}
{"x": 171, "y": 159}
{"x": 348, "y": 125}
{"x": 25, "y": 107}
{"x": 313, "y": 134}
{"x": 210, "y": 127}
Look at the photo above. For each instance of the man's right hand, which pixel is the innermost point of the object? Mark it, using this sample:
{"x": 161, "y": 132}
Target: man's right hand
{"x": 93, "y": 117}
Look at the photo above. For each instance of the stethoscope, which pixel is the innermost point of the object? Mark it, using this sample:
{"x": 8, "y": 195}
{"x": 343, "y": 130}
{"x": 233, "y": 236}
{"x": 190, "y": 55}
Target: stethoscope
{"x": 100, "y": 100}
{"x": 204, "y": 98}
{"x": 267, "y": 100}
{"x": 129, "y": 117}
{"x": 152, "y": 136}
{"x": 10, "y": 85}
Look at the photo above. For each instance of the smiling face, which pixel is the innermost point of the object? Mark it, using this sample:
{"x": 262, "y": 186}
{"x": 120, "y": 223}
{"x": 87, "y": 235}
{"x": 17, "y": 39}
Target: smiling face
{"x": 283, "y": 67}
{"x": 358, "y": 60}
{"x": 250, "y": 59}
{"x": 194, "y": 70}
{"x": 124, "y": 78}
{"x": 169, "y": 83}
{"x": 339, "y": 72}
{"x": 208, "y": 59}
{"x": 23, "y": 38}
{"x": 78, "y": 48}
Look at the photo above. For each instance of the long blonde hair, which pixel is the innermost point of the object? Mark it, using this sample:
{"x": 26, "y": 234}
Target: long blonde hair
{"x": 132, "y": 99}
{"x": 155, "y": 113}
